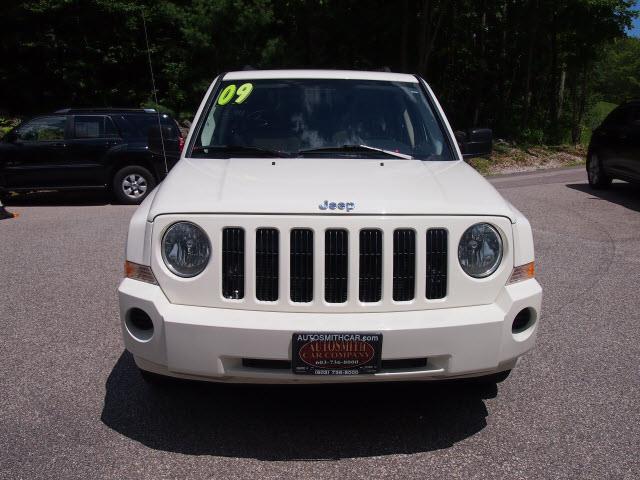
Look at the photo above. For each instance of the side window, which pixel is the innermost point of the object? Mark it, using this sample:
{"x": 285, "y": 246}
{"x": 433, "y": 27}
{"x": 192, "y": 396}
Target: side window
{"x": 208, "y": 128}
{"x": 93, "y": 126}
{"x": 42, "y": 129}
{"x": 143, "y": 122}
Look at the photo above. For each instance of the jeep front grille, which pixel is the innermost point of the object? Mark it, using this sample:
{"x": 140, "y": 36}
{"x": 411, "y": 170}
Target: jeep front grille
{"x": 370, "y": 265}
{"x": 436, "y": 263}
{"x": 336, "y": 266}
{"x": 233, "y": 263}
{"x": 336, "y": 255}
{"x": 267, "y": 258}
{"x": 301, "y": 265}
{"x": 404, "y": 264}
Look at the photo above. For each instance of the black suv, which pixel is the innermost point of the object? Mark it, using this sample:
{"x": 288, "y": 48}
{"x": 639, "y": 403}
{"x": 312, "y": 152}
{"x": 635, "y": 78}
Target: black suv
{"x": 89, "y": 149}
{"x": 614, "y": 151}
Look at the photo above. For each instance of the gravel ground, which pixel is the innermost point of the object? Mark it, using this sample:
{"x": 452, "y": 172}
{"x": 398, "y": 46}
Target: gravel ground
{"x": 73, "y": 406}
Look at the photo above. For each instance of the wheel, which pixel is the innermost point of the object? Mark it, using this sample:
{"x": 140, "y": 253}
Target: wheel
{"x": 492, "y": 379}
{"x": 153, "y": 379}
{"x": 597, "y": 178}
{"x": 132, "y": 184}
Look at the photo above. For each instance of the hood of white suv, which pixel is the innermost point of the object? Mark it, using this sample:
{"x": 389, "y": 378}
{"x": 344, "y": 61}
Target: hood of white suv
{"x": 326, "y": 187}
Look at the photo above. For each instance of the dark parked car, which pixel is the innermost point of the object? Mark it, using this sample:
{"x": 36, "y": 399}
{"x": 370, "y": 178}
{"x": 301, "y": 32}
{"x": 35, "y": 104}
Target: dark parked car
{"x": 614, "y": 151}
{"x": 89, "y": 149}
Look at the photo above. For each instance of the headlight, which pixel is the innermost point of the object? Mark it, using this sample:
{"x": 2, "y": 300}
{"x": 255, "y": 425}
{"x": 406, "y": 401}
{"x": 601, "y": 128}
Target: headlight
{"x": 185, "y": 249}
{"x": 480, "y": 250}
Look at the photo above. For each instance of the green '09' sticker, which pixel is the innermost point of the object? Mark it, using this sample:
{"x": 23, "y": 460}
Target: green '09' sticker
{"x": 242, "y": 92}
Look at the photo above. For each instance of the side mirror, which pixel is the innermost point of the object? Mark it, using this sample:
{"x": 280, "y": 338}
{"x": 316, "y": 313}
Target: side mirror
{"x": 475, "y": 142}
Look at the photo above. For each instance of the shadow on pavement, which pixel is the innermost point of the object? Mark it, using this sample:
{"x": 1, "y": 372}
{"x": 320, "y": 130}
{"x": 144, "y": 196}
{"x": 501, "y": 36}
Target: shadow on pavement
{"x": 58, "y": 199}
{"x": 292, "y": 422}
{"x": 624, "y": 194}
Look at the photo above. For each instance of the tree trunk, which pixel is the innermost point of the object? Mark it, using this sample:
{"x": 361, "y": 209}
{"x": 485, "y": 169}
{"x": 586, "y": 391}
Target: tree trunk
{"x": 428, "y": 33}
{"x": 533, "y": 8}
{"x": 481, "y": 56}
{"x": 423, "y": 33}
{"x": 554, "y": 96}
{"x": 563, "y": 78}
{"x": 404, "y": 35}
{"x": 580, "y": 105}
{"x": 432, "y": 40}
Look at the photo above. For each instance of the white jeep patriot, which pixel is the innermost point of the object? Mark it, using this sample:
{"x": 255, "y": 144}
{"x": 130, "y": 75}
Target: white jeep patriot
{"x": 322, "y": 226}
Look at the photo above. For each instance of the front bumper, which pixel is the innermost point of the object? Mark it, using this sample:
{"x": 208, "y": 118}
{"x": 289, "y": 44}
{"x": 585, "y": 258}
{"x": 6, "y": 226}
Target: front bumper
{"x": 209, "y": 343}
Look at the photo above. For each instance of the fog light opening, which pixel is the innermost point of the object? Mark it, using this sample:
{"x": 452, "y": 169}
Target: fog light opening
{"x": 139, "y": 324}
{"x": 524, "y": 320}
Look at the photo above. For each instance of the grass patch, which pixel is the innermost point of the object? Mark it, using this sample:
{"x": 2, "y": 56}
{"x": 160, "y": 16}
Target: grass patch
{"x": 482, "y": 165}
{"x": 6, "y": 124}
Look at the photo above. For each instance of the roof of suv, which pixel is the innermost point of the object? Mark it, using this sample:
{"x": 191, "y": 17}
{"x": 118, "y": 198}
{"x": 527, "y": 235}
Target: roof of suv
{"x": 324, "y": 74}
{"x": 106, "y": 110}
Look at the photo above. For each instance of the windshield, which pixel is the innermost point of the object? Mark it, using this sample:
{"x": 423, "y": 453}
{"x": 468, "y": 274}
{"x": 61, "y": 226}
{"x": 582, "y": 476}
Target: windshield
{"x": 320, "y": 117}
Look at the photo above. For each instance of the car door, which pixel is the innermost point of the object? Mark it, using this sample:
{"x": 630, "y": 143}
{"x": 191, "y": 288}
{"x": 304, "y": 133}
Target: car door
{"x": 91, "y": 138}
{"x": 33, "y": 157}
{"x": 613, "y": 138}
{"x": 633, "y": 144}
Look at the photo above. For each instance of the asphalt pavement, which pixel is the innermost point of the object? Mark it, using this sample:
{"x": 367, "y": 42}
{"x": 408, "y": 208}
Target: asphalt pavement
{"x": 72, "y": 405}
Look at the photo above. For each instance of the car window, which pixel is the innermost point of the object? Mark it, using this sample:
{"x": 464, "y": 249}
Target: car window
{"x": 137, "y": 125}
{"x": 93, "y": 126}
{"x": 42, "y": 129}
{"x": 296, "y": 115}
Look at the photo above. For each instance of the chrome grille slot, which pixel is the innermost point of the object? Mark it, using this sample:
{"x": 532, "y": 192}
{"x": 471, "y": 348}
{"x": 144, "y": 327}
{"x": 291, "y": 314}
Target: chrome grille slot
{"x": 436, "y": 263}
{"x": 370, "y": 281}
{"x": 233, "y": 263}
{"x": 267, "y": 257}
{"x": 301, "y": 265}
{"x": 336, "y": 265}
{"x": 404, "y": 264}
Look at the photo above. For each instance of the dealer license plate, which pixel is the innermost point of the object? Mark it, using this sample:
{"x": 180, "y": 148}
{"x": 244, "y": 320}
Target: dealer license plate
{"x": 336, "y": 353}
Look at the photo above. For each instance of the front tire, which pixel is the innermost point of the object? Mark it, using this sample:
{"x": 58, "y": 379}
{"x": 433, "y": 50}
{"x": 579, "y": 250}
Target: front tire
{"x": 132, "y": 184}
{"x": 598, "y": 179}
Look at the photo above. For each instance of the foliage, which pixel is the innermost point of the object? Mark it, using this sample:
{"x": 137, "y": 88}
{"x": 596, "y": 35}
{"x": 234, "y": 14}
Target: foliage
{"x": 530, "y": 69}
{"x": 482, "y": 165}
{"x": 593, "y": 118}
{"x": 6, "y": 124}
{"x": 617, "y": 72}
{"x": 532, "y": 136}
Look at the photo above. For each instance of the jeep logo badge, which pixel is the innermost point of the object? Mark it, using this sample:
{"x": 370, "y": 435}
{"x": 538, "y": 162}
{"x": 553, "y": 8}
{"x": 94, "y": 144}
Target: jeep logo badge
{"x": 327, "y": 205}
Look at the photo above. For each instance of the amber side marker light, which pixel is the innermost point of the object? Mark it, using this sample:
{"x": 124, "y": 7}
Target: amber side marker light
{"x": 523, "y": 272}
{"x": 139, "y": 272}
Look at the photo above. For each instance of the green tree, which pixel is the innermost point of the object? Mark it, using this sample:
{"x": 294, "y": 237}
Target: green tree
{"x": 529, "y": 69}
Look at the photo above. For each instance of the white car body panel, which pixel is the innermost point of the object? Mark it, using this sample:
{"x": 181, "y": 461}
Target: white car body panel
{"x": 197, "y": 333}
{"x": 324, "y": 74}
{"x": 299, "y": 186}
{"x": 209, "y": 343}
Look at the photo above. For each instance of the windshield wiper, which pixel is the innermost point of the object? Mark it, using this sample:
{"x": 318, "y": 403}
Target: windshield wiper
{"x": 247, "y": 149}
{"x": 356, "y": 149}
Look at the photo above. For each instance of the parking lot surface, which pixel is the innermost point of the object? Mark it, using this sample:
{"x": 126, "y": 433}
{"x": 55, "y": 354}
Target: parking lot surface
{"x": 72, "y": 404}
